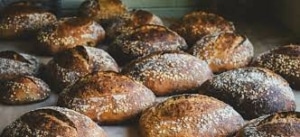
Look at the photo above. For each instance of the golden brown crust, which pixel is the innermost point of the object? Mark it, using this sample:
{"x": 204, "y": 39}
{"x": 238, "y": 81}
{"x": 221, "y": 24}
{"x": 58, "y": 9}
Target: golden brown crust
{"x": 53, "y": 122}
{"x": 107, "y": 97}
{"x": 13, "y": 64}
{"x": 197, "y": 24}
{"x": 190, "y": 116}
{"x": 143, "y": 41}
{"x": 224, "y": 51}
{"x": 252, "y": 91}
{"x": 127, "y": 22}
{"x": 284, "y": 124}
{"x": 285, "y": 61}
{"x": 23, "y": 19}
{"x": 68, "y": 66}
{"x": 23, "y": 90}
{"x": 169, "y": 72}
{"x": 68, "y": 33}
{"x": 102, "y": 9}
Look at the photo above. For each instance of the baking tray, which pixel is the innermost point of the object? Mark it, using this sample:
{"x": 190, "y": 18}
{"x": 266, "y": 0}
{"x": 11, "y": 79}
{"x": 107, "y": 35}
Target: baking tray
{"x": 264, "y": 36}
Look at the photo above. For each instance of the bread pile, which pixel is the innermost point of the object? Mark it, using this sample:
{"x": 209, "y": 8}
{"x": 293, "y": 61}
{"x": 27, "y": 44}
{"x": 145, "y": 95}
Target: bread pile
{"x": 203, "y": 68}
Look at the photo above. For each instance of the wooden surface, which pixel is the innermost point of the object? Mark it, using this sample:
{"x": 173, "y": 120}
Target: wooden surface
{"x": 263, "y": 35}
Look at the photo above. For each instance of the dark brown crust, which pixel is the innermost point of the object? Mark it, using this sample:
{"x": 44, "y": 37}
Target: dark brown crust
{"x": 68, "y": 33}
{"x": 197, "y": 24}
{"x": 23, "y": 90}
{"x": 284, "y": 124}
{"x": 66, "y": 67}
{"x": 53, "y": 122}
{"x": 143, "y": 41}
{"x": 285, "y": 61}
{"x": 252, "y": 91}
{"x": 129, "y": 21}
{"x": 23, "y": 20}
{"x": 102, "y": 9}
{"x": 13, "y": 64}
{"x": 107, "y": 97}
{"x": 169, "y": 72}
{"x": 224, "y": 51}
{"x": 190, "y": 116}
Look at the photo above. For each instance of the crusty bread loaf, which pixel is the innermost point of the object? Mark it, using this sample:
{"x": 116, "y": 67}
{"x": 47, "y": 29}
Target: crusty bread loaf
{"x": 252, "y": 91}
{"x": 169, "y": 72}
{"x": 53, "y": 122}
{"x": 143, "y": 41}
{"x": 23, "y": 19}
{"x": 13, "y": 64}
{"x": 107, "y": 97}
{"x": 284, "y": 124}
{"x": 68, "y": 66}
{"x": 101, "y": 10}
{"x": 193, "y": 26}
{"x": 285, "y": 61}
{"x": 125, "y": 23}
{"x": 23, "y": 90}
{"x": 190, "y": 116}
{"x": 68, "y": 33}
{"x": 224, "y": 51}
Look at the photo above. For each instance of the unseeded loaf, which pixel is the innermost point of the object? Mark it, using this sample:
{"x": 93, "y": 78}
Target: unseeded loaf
{"x": 107, "y": 97}
{"x": 23, "y": 90}
{"x": 252, "y": 91}
{"x": 68, "y": 66}
{"x": 53, "y": 122}
{"x": 285, "y": 61}
{"x": 69, "y": 32}
{"x": 224, "y": 51}
{"x": 284, "y": 124}
{"x": 23, "y": 19}
{"x": 190, "y": 116}
{"x": 168, "y": 73}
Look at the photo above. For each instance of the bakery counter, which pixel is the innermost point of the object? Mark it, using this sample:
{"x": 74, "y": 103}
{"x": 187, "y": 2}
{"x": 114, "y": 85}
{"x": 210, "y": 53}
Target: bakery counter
{"x": 263, "y": 34}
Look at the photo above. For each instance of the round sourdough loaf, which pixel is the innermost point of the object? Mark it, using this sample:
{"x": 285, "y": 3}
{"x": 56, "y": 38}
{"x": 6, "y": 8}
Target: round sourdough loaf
{"x": 190, "y": 116}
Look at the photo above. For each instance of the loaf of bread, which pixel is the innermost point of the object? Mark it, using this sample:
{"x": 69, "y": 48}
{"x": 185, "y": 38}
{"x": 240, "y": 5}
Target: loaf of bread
{"x": 169, "y": 72}
{"x": 13, "y": 64}
{"x": 125, "y": 23}
{"x": 252, "y": 91}
{"x": 23, "y": 90}
{"x": 224, "y": 51}
{"x": 143, "y": 41}
{"x": 284, "y": 124}
{"x": 107, "y": 97}
{"x": 190, "y": 116}
{"x": 285, "y": 61}
{"x": 101, "y": 10}
{"x": 193, "y": 26}
{"x": 23, "y": 19}
{"x": 68, "y": 66}
{"x": 53, "y": 122}
{"x": 68, "y": 33}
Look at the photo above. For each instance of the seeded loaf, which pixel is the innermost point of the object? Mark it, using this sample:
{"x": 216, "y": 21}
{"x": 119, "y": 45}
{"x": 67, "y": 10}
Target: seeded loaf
{"x": 253, "y": 92}
{"x": 190, "y": 116}
{"x": 107, "y": 97}
{"x": 68, "y": 66}
{"x": 224, "y": 51}
{"x": 13, "y": 64}
{"x": 167, "y": 73}
{"x": 23, "y": 19}
{"x": 144, "y": 40}
{"x": 194, "y": 25}
{"x": 285, "y": 61}
{"x": 284, "y": 124}
{"x": 53, "y": 122}
{"x": 23, "y": 90}
{"x": 68, "y": 33}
